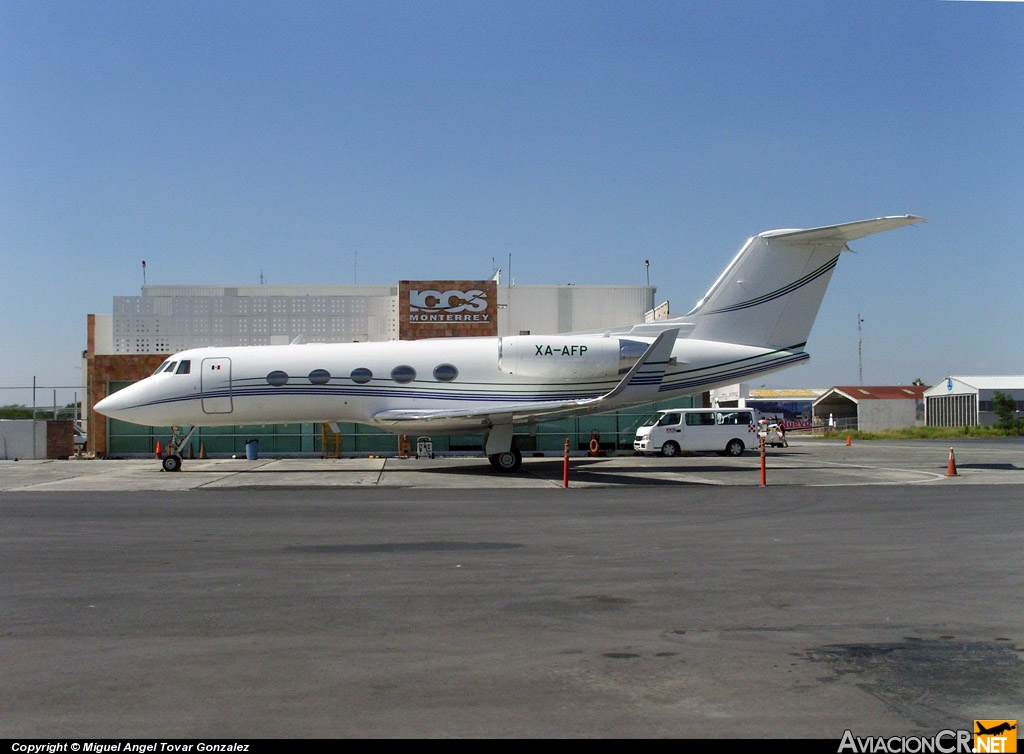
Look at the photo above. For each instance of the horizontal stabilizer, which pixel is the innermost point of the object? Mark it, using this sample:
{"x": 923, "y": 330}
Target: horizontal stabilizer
{"x": 845, "y": 232}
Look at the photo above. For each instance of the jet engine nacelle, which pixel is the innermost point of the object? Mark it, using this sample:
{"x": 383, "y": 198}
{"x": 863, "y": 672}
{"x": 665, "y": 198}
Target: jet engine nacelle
{"x": 568, "y": 356}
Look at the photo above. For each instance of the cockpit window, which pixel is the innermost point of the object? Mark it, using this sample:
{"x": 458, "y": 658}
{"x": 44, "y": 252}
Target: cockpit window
{"x": 161, "y": 367}
{"x": 184, "y": 367}
{"x": 170, "y": 367}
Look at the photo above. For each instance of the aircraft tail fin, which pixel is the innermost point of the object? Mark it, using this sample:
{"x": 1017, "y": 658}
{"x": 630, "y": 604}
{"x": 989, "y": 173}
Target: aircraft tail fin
{"x": 770, "y": 293}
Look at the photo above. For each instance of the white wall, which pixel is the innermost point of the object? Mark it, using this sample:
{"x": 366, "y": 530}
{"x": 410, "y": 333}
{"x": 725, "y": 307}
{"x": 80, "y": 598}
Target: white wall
{"x": 22, "y": 439}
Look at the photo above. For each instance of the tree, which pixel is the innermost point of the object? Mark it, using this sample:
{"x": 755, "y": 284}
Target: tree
{"x": 12, "y": 411}
{"x": 1005, "y": 407}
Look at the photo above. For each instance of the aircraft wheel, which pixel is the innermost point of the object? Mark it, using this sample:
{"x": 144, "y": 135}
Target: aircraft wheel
{"x": 508, "y": 461}
{"x": 669, "y": 449}
{"x": 734, "y": 448}
{"x": 172, "y": 463}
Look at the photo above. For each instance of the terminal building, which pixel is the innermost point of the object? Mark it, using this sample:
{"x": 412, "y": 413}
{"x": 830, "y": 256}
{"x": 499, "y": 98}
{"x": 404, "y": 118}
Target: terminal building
{"x": 131, "y": 342}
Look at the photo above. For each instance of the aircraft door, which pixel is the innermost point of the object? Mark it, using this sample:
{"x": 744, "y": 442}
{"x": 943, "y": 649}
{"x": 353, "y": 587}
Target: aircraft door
{"x": 215, "y": 386}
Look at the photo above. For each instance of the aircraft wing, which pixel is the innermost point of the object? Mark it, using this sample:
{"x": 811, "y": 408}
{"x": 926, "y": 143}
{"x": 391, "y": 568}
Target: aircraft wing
{"x": 638, "y": 385}
{"x": 505, "y": 414}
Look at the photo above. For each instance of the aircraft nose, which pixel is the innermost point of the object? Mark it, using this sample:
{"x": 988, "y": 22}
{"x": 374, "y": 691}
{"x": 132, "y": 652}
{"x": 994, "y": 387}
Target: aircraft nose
{"x": 144, "y": 402}
{"x": 118, "y": 405}
{"x": 114, "y": 405}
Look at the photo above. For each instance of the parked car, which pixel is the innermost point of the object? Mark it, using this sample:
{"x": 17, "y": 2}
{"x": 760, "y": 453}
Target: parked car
{"x": 672, "y": 431}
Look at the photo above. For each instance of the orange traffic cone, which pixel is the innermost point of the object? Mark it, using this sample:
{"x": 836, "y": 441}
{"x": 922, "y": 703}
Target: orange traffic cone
{"x": 951, "y": 467}
{"x": 847, "y": 441}
{"x": 202, "y": 451}
{"x": 159, "y": 452}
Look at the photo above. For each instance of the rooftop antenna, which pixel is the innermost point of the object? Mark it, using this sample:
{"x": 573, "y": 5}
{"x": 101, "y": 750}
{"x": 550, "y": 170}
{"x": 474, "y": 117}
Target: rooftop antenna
{"x": 860, "y": 353}
{"x": 143, "y": 271}
{"x": 647, "y": 264}
{"x": 262, "y": 280}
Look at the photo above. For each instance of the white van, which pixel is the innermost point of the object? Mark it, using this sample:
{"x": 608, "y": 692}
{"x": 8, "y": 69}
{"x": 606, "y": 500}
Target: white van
{"x": 669, "y": 432}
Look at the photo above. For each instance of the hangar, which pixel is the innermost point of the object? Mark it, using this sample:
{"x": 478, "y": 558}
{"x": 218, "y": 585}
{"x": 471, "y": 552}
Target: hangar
{"x": 871, "y": 408}
{"x": 966, "y": 401}
{"x": 128, "y": 344}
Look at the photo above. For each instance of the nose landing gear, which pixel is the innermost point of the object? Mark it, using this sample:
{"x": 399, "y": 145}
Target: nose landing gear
{"x": 172, "y": 460}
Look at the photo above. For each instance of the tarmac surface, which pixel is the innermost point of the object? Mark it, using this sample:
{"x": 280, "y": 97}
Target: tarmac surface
{"x": 804, "y": 463}
{"x": 863, "y": 589}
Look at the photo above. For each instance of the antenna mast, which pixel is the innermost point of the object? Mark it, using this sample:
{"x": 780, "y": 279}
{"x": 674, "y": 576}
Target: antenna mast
{"x": 860, "y": 350}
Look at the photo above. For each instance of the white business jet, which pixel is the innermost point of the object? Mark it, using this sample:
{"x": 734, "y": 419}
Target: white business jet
{"x": 754, "y": 320}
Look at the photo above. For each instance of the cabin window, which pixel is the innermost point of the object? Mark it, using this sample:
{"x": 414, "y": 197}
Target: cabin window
{"x": 403, "y": 374}
{"x": 361, "y": 375}
{"x": 736, "y": 418}
{"x": 702, "y": 419}
{"x": 669, "y": 420}
{"x": 445, "y": 372}
{"x": 277, "y": 378}
{"x": 319, "y": 376}
{"x": 161, "y": 367}
{"x": 184, "y": 367}
{"x": 170, "y": 366}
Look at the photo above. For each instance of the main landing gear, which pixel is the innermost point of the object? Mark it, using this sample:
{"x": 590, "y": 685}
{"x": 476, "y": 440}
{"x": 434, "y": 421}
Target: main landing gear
{"x": 508, "y": 461}
{"x": 500, "y": 449}
{"x": 172, "y": 461}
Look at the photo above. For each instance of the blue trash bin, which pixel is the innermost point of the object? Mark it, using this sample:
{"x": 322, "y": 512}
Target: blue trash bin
{"x": 252, "y": 450}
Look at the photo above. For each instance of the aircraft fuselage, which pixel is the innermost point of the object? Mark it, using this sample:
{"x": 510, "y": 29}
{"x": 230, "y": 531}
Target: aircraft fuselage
{"x": 368, "y": 382}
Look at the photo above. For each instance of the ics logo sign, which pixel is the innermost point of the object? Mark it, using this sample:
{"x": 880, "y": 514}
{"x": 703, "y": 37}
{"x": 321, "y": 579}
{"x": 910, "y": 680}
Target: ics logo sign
{"x": 448, "y": 306}
{"x": 454, "y": 302}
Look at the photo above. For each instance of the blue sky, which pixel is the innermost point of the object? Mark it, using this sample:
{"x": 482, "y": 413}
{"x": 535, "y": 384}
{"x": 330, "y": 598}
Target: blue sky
{"x": 216, "y": 140}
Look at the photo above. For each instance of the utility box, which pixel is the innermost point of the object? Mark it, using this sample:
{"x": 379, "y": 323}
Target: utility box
{"x": 424, "y": 447}
{"x": 404, "y": 449}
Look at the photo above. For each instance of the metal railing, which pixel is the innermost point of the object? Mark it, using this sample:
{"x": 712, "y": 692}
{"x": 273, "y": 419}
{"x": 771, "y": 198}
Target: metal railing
{"x": 843, "y": 424}
{"x": 28, "y": 397}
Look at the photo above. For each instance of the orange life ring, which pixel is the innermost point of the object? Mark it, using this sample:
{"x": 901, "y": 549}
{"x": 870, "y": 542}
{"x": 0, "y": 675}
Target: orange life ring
{"x": 594, "y": 446}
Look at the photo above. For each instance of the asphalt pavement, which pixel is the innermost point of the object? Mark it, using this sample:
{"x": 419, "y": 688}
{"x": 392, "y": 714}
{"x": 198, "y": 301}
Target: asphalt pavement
{"x": 863, "y": 589}
{"x": 804, "y": 463}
